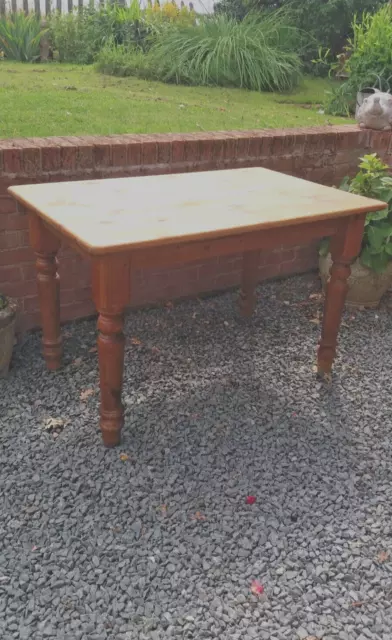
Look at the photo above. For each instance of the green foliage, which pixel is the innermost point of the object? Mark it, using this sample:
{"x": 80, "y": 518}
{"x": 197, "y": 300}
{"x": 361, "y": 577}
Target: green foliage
{"x": 77, "y": 37}
{"x": 236, "y": 9}
{"x": 373, "y": 181}
{"x": 258, "y": 53}
{"x": 327, "y": 23}
{"x": 369, "y": 62}
{"x": 20, "y": 36}
{"x": 341, "y": 100}
{"x": 121, "y": 61}
{"x": 80, "y": 36}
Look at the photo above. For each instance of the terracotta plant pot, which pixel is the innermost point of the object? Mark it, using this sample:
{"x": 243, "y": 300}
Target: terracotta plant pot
{"x": 366, "y": 287}
{"x": 7, "y": 336}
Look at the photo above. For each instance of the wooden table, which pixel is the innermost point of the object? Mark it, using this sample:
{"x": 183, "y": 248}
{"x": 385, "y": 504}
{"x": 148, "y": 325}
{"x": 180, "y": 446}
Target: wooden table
{"x": 158, "y": 221}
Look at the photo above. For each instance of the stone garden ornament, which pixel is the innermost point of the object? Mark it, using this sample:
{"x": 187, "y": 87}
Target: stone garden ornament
{"x": 374, "y": 109}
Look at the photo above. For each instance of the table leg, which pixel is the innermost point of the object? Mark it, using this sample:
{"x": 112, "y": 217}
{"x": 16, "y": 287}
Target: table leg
{"x": 250, "y": 279}
{"x": 46, "y": 246}
{"x": 111, "y": 291}
{"x": 345, "y": 247}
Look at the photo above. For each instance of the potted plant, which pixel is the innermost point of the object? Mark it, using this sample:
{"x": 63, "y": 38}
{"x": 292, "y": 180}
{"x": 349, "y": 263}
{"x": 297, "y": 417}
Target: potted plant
{"x": 7, "y": 332}
{"x": 371, "y": 273}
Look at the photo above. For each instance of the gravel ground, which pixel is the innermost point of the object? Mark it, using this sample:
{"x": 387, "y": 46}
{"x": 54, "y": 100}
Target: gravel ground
{"x": 154, "y": 539}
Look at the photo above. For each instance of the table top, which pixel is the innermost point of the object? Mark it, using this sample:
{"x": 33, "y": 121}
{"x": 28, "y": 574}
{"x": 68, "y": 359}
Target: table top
{"x": 127, "y": 213}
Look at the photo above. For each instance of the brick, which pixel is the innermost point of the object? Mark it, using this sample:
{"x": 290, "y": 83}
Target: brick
{"x": 255, "y": 146}
{"x": 82, "y": 294}
{"x": 51, "y": 158}
{"x": 13, "y": 239}
{"x": 287, "y": 144}
{"x": 12, "y": 273}
{"x": 218, "y": 149}
{"x": 102, "y": 153}
{"x": 206, "y": 149}
{"x": 164, "y": 152}
{"x": 178, "y": 151}
{"x": 119, "y": 153}
{"x": 346, "y": 141}
{"x": 32, "y": 161}
{"x": 68, "y": 152}
{"x": 380, "y": 141}
{"x": 77, "y": 310}
{"x": 192, "y": 151}
{"x": 84, "y": 156}
{"x": 12, "y": 160}
{"x": 9, "y": 240}
{"x": 134, "y": 153}
{"x": 230, "y": 148}
{"x": 15, "y": 256}
{"x": 67, "y": 296}
{"x": 7, "y": 205}
{"x": 242, "y": 149}
{"x": 29, "y": 271}
{"x": 267, "y": 144}
{"x": 149, "y": 152}
{"x": 284, "y": 164}
{"x": 14, "y": 221}
{"x": 322, "y": 175}
{"x": 19, "y": 289}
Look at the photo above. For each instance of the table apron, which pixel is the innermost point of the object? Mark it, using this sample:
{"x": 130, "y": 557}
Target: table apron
{"x": 174, "y": 254}
{"x": 263, "y": 240}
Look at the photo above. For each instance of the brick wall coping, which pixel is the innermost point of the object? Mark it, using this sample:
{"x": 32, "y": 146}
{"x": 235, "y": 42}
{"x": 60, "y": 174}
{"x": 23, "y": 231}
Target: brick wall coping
{"x": 22, "y": 158}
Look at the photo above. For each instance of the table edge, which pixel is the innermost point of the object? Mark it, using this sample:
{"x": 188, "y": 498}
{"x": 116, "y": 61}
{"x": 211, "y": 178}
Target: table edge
{"x": 207, "y": 236}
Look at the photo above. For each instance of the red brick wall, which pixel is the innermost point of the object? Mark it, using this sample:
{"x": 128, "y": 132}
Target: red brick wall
{"x": 321, "y": 154}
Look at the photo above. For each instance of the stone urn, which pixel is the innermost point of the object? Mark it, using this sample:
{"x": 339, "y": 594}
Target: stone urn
{"x": 366, "y": 287}
{"x": 7, "y": 332}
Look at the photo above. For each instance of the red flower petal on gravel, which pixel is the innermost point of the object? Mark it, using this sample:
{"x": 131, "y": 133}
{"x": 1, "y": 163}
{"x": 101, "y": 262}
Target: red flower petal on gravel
{"x": 256, "y": 588}
{"x": 250, "y": 499}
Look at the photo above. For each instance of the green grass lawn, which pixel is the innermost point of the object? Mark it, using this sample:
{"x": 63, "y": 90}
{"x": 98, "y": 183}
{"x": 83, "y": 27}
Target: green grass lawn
{"x": 60, "y": 100}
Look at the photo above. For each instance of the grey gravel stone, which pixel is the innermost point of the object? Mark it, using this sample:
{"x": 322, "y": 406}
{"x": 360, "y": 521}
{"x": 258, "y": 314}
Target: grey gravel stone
{"x": 162, "y": 544}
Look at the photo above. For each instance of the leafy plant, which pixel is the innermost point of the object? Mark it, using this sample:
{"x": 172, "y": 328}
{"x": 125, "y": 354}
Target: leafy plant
{"x": 77, "y": 37}
{"x": 169, "y": 12}
{"x": 326, "y": 23}
{"x": 20, "y": 36}
{"x": 372, "y": 181}
{"x": 121, "y": 61}
{"x": 80, "y": 36}
{"x": 369, "y": 59}
{"x": 371, "y": 51}
{"x": 258, "y": 53}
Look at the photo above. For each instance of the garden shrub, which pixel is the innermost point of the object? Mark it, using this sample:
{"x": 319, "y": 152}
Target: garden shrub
{"x": 258, "y": 53}
{"x": 372, "y": 181}
{"x": 77, "y": 37}
{"x": 80, "y": 36}
{"x": 122, "y": 61}
{"x": 369, "y": 60}
{"x": 327, "y": 23}
{"x": 20, "y": 36}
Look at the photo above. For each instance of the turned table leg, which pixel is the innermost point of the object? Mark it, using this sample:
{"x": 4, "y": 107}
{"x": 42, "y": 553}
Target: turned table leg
{"x": 111, "y": 291}
{"x": 46, "y": 246}
{"x": 250, "y": 278}
{"x": 345, "y": 247}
